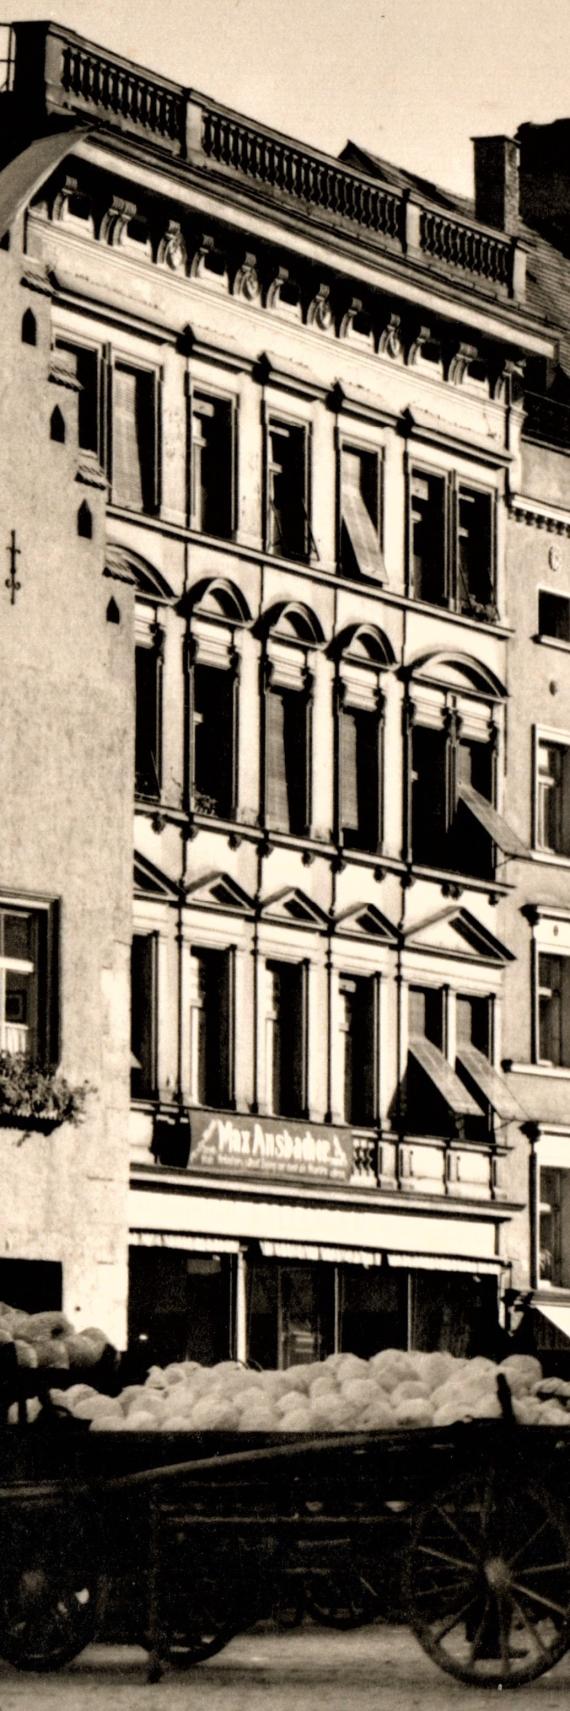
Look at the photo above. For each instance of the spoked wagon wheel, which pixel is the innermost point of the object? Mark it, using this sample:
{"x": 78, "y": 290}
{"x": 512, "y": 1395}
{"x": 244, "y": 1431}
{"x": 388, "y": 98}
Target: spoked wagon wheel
{"x": 200, "y": 1611}
{"x": 49, "y": 1591}
{"x": 488, "y": 1581}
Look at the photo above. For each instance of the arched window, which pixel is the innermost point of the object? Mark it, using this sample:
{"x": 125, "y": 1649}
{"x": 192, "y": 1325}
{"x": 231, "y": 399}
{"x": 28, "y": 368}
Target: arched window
{"x": 455, "y": 725}
{"x": 217, "y": 610}
{"x": 84, "y": 522}
{"x": 57, "y": 426}
{"x": 29, "y": 328}
{"x": 291, "y": 632}
{"x": 363, "y": 655}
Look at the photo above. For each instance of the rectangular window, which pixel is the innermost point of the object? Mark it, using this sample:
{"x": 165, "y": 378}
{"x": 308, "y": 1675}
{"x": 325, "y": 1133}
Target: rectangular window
{"x": 429, "y": 811}
{"x": 425, "y": 1014}
{"x": 212, "y": 1024}
{"x": 143, "y": 1015}
{"x": 472, "y": 1023}
{"x": 554, "y": 1009}
{"x": 286, "y": 794}
{"x": 360, "y": 779}
{"x": 212, "y": 465}
{"x": 360, "y": 548}
{"x": 554, "y": 1227}
{"x": 360, "y": 1052}
{"x": 553, "y": 797}
{"x": 86, "y": 364}
{"x": 287, "y": 476}
{"x": 470, "y": 847}
{"x": 475, "y": 582}
{"x": 134, "y": 428}
{"x": 427, "y": 528}
{"x": 213, "y": 709}
{"x": 286, "y": 1039}
{"x": 26, "y": 1003}
{"x": 148, "y": 715}
{"x": 554, "y": 615}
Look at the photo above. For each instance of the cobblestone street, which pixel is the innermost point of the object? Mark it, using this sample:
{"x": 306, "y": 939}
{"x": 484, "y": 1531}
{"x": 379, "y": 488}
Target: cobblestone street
{"x": 374, "y": 1669}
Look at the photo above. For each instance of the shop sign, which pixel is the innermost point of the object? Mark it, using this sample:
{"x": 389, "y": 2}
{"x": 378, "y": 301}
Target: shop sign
{"x": 268, "y": 1146}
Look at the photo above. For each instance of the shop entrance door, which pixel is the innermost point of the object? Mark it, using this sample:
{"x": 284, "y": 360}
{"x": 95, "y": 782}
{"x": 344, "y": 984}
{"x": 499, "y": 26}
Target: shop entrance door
{"x": 290, "y": 1312}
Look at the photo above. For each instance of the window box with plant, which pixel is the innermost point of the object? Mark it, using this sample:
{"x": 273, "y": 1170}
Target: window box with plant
{"x": 36, "y": 1096}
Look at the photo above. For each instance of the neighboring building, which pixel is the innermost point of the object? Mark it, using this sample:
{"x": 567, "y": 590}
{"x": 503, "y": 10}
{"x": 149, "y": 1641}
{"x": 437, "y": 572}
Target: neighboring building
{"x": 264, "y": 436}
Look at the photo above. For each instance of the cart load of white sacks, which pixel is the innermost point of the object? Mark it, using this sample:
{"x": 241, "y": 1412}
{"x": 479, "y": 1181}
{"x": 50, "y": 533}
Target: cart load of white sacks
{"x": 394, "y": 1388}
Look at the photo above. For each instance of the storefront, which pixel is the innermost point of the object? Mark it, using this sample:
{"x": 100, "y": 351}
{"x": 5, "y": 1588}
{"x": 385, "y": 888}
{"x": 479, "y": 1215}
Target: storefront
{"x": 266, "y": 1253}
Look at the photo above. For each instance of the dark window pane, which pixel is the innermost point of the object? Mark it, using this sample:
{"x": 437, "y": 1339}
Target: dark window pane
{"x": 429, "y": 796}
{"x": 474, "y": 551}
{"x": 133, "y": 438}
{"x": 287, "y": 497}
{"x": 143, "y": 1015}
{"x": 554, "y": 1009}
{"x": 470, "y": 846}
{"x": 214, "y": 1030}
{"x": 554, "y": 616}
{"x": 212, "y": 466}
{"x": 147, "y": 722}
{"x": 428, "y": 537}
{"x": 287, "y": 1039}
{"x": 472, "y": 1023}
{"x": 359, "y": 1050}
{"x": 213, "y": 741}
{"x": 425, "y": 1014}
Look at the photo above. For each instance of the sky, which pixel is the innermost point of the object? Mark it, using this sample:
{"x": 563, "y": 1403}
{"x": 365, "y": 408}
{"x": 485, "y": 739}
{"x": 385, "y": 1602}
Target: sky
{"x": 412, "y": 80}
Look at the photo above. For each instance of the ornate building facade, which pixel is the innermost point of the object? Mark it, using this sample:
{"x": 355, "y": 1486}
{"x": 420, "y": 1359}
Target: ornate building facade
{"x": 261, "y": 464}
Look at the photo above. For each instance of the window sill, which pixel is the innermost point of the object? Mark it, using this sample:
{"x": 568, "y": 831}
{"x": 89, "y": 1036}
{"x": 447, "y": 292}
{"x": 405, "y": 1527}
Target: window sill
{"x": 458, "y": 882}
{"x": 551, "y": 1071}
{"x": 551, "y": 642}
{"x": 549, "y": 858}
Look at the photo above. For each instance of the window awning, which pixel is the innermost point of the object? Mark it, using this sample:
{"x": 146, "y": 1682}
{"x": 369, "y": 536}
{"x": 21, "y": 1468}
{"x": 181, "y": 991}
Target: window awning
{"x": 188, "y": 1244}
{"x": 23, "y": 176}
{"x": 447, "y": 1262}
{"x": 440, "y": 1072}
{"x": 492, "y": 822}
{"x": 361, "y": 532}
{"x": 557, "y": 1316}
{"x": 491, "y": 1083}
{"x": 315, "y": 1251}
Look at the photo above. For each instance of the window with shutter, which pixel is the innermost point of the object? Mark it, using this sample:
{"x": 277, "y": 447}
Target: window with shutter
{"x": 133, "y": 438}
{"x": 286, "y": 760}
{"x": 86, "y": 364}
{"x": 143, "y": 1015}
{"x": 361, "y": 553}
{"x": 359, "y": 778}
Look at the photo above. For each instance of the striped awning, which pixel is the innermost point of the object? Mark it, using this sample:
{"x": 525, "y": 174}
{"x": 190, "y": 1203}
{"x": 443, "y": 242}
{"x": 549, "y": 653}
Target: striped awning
{"x": 315, "y": 1251}
{"x": 187, "y": 1244}
{"x": 446, "y": 1262}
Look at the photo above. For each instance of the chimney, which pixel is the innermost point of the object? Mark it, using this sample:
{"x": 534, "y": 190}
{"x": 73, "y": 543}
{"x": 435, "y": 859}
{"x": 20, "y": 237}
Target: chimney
{"x": 545, "y": 179}
{"x": 497, "y": 182}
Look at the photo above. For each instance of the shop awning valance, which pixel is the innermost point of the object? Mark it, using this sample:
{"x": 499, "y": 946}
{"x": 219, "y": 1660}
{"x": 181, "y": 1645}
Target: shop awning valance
{"x": 445, "y": 1262}
{"x": 315, "y": 1251}
{"x": 188, "y": 1244}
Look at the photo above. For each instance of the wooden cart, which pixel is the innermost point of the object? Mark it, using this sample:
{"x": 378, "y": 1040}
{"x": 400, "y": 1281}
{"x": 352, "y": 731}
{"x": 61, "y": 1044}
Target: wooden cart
{"x": 179, "y": 1541}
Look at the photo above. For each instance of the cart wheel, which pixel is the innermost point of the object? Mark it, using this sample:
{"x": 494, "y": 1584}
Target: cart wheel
{"x": 488, "y": 1581}
{"x": 199, "y": 1612}
{"x": 49, "y": 1594}
{"x": 347, "y": 1596}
